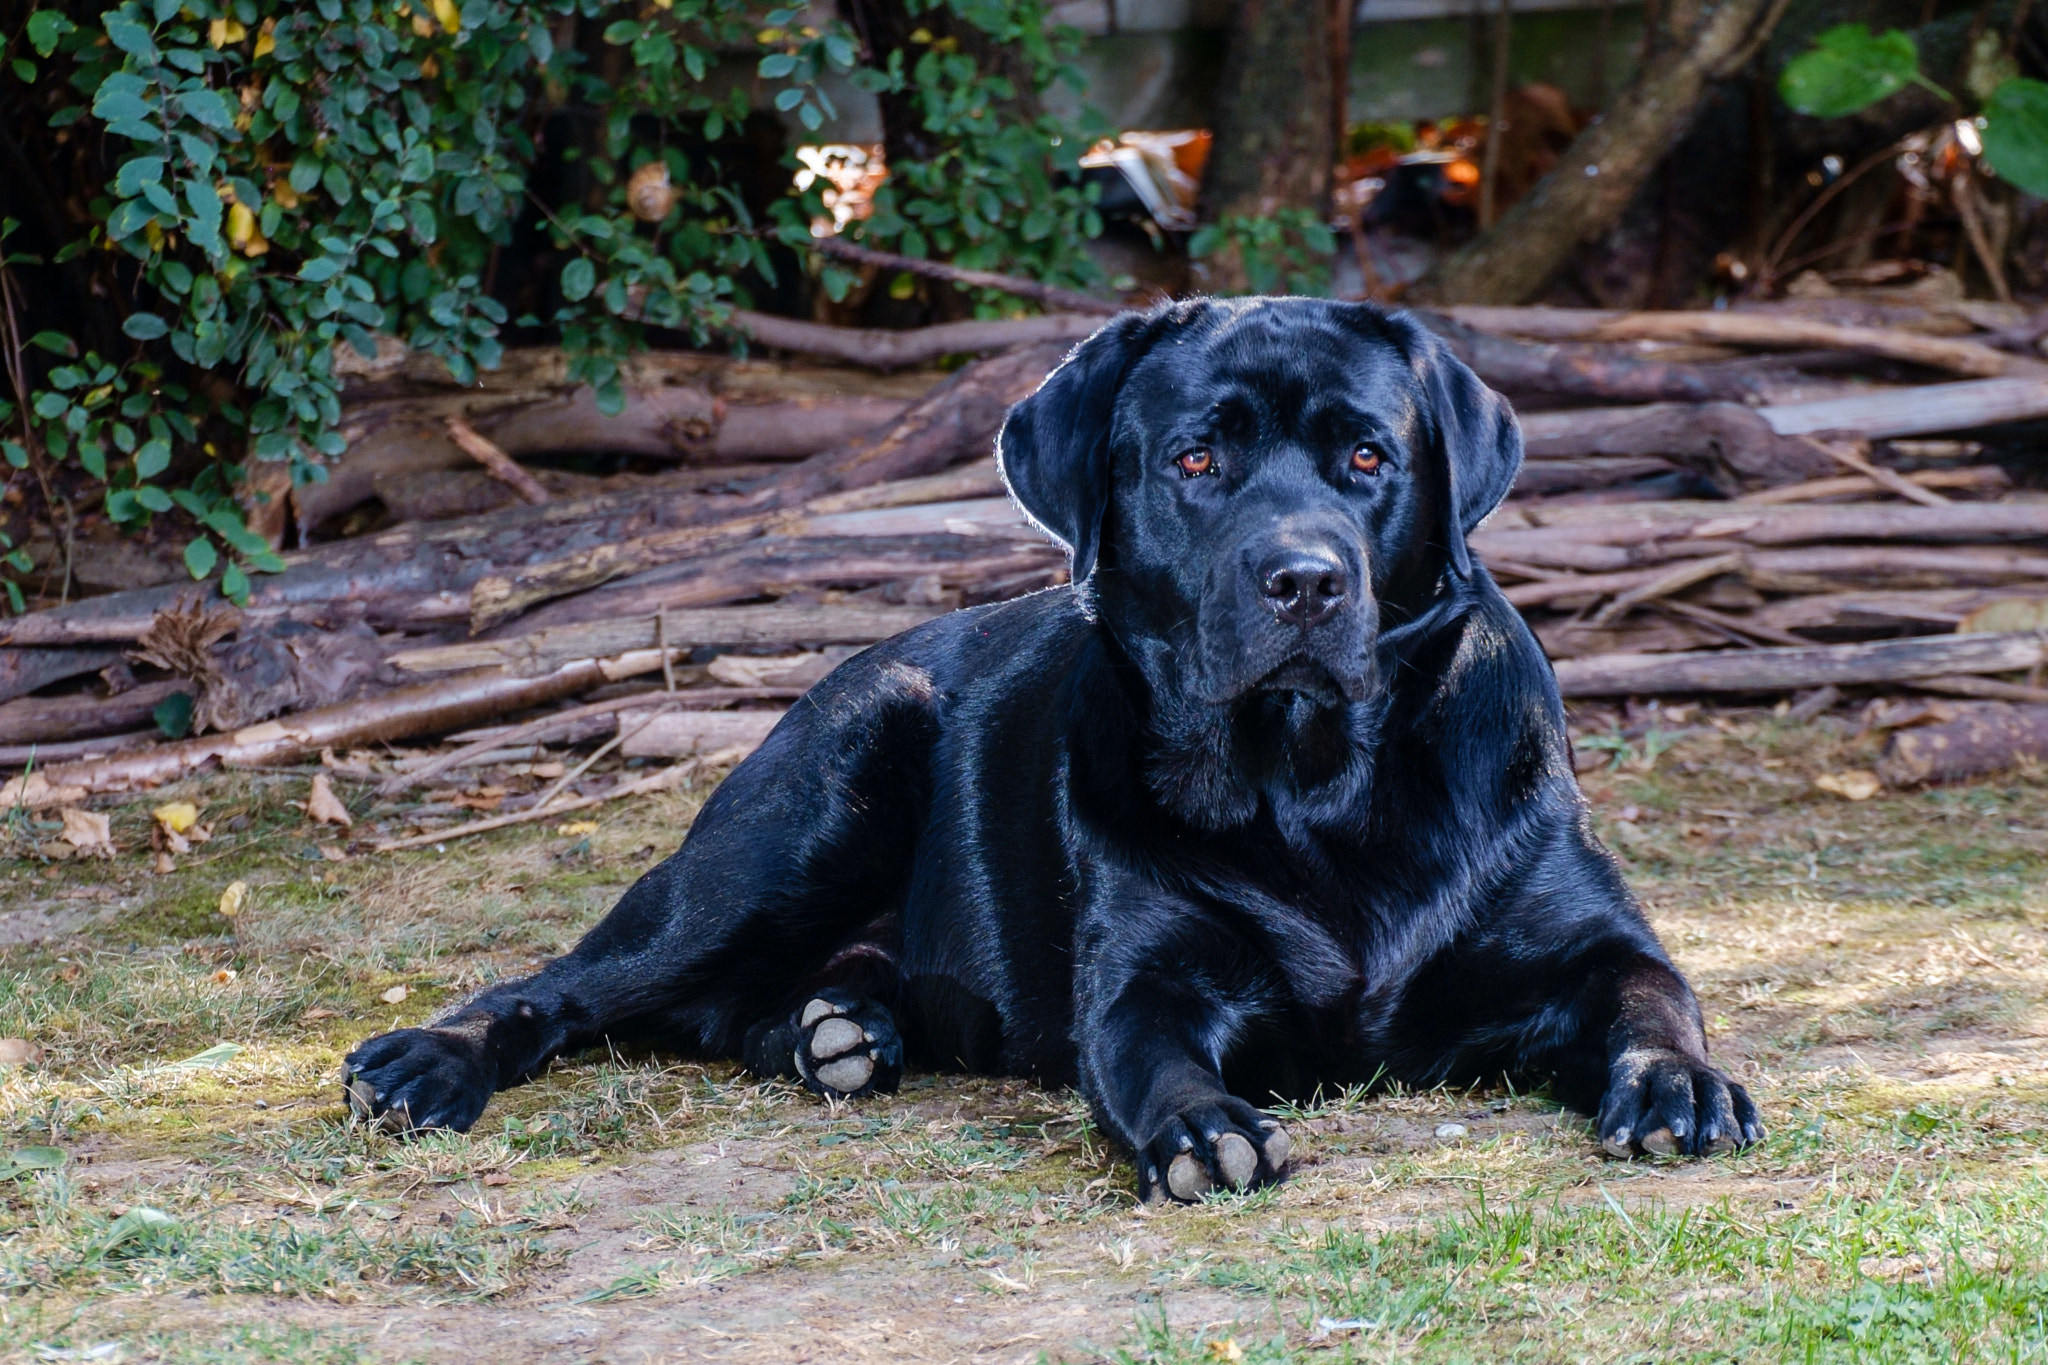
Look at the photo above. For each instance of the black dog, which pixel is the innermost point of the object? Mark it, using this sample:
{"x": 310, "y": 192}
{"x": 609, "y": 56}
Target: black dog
{"x": 1277, "y": 794}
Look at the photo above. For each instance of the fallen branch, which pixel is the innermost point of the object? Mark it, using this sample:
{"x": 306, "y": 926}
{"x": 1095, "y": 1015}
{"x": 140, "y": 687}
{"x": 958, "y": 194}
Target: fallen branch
{"x": 735, "y": 627}
{"x": 496, "y": 462}
{"x": 886, "y": 349}
{"x": 1983, "y": 478}
{"x": 665, "y": 780}
{"x": 571, "y": 721}
{"x": 1777, "y": 670}
{"x": 1788, "y": 332}
{"x": 1051, "y": 295}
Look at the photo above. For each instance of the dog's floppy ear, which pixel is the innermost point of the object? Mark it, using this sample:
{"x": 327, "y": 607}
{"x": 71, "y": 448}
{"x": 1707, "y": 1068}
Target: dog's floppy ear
{"x": 1477, "y": 437}
{"x": 1054, "y": 447}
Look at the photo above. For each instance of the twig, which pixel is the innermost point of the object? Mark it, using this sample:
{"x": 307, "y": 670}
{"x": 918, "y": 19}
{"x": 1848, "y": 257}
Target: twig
{"x": 1051, "y": 295}
{"x": 1972, "y": 215}
{"x": 1698, "y": 571}
{"x": 585, "y": 766}
{"x": 668, "y": 777}
{"x": 1767, "y": 275}
{"x": 496, "y": 462}
{"x": 1886, "y": 478}
{"x": 1496, "y": 122}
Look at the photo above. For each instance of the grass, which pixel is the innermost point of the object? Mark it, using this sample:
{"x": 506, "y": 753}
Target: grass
{"x": 1877, "y": 972}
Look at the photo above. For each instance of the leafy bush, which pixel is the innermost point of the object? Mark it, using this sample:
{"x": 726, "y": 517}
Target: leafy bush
{"x": 1849, "y": 68}
{"x": 283, "y": 179}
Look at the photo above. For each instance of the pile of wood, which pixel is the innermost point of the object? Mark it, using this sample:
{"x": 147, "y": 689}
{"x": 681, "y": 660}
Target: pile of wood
{"x": 1821, "y": 494}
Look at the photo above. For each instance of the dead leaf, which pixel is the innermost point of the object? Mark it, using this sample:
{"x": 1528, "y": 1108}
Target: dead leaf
{"x": 333, "y": 853}
{"x": 549, "y": 769}
{"x": 19, "y": 1052}
{"x": 395, "y": 996}
{"x": 176, "y": 816}
{"x": 314, "y": 1014}
{"x": 497, "y": 1178}
{"x": 577, "y": 827}
{"x": 165, "y": 864}
{"x": 354, "y": 763}
{"x": 90, "y": 833}
{"x": 1854, "y": 785}
{"x": 224, "y": 976}
{"x": 231, "y": 899}
{"x": 324, "y": 806}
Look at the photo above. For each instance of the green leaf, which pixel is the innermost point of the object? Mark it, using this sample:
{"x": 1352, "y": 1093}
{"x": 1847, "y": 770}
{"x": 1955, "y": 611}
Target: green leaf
{"x": 173, "y": 715}
{"x": 24, "y": 71}
{"x": 200, "y": 557}
{"x": 207, "y": 107}
{"x": 137, "y": 172}
{"x": 57, "y": 343}
{"x": 579, "y": 277}
{"x": 234, "y": 585}
{"x": 145, "y": 326}
{"x": 321, "y": 270}
{"x": 1848, "y": 69}
{"x": 39, "y": 1158}
{"x": 153, "y": 498}
{"x": 2016, "y": 134}
{"x": 152, "y": 460}
{"x": 220, "y": 1054}
{"x": 776, "y": 65}
{"x": 131, "y": 37}
{"x": 45, "y": 27}
{"x": 137, "y": 1223}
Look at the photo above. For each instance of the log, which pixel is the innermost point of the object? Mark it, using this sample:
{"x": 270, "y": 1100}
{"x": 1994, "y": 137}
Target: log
{"x": 1778, "y": 670}
{"x": 679, "y": 734}
{"x": 70, "y": 750}
{"x": 736, "y": 627}
{"x": 1984, "y": 737}
{"x": 33, "y": 720}
{"x": 680, "y": 406}
{"x": 1785, "y": 332}
{"x": 26, "y": 671}
{"x": 1521, "y": 369}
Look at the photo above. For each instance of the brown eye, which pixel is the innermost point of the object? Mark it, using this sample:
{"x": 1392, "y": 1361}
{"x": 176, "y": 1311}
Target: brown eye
{"x": 1366, "y": 459}
{"x": 1195, "y": 463}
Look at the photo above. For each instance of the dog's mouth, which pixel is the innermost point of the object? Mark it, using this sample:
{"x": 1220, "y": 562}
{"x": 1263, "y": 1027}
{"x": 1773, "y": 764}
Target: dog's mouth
{"x": 1310, "y": 678}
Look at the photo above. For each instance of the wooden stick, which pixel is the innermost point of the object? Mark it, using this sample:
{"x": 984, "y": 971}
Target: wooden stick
{"x": 496, "y": 462}
{"x": 664, "y": 780}
{"x": 1742, "y": 625}
{"x": 1777, "y": 670}
{"x": 1844, "y": 453}
{"x": 1051, "y": 295}
{"x": 884, "y": 349}
{"x": 821, "y": 624}
{"x": 1676, "y": 580}
{"x": 1983, "y": 737}
{"x": 1989, "y": 688}
{"x": 1975, "y": 478}
{"x": 546, "y": 727}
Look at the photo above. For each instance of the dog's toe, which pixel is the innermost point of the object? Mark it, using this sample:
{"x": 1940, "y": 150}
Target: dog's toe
{"x": 847, "y": 1046}
{"x": 1225, "y": 1145}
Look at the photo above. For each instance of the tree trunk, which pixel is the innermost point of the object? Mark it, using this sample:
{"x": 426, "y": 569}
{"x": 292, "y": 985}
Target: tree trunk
{"x": 1278, "y": 115}
{"x": 1604, "y": 169}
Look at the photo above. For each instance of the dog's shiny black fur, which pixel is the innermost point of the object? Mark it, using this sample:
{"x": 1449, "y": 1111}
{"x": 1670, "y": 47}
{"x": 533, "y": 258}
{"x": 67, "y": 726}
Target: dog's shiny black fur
{"x": 1276, "y": 795}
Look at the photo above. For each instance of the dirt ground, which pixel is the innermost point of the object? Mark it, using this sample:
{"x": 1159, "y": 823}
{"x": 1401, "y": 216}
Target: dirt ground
{"x": 1876, "y": 971}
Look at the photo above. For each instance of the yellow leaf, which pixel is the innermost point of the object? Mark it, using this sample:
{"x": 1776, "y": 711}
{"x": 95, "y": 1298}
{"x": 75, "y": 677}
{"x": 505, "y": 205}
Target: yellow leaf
{"x": 177, "y": 816}
{"x": 577, "y": 827}
{"x": 284, "y": 195}
{"x": 221, "y": 32}
{"x": 266, "y": 38}
{"x": 449, "y": 15}
{"x": 1853, "y": 785}
{"x": 232, "y": 898}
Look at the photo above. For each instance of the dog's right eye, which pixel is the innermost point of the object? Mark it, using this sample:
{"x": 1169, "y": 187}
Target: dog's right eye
{"x": 1195, "y": 463}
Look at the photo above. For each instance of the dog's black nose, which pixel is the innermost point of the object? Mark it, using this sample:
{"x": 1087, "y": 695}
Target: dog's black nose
{"x": 1304, "y": 587}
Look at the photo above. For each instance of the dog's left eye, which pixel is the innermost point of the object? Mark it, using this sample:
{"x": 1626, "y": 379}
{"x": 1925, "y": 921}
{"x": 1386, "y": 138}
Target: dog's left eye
{"x": 1195, "y": 463}
{"x": 1365, "y": 458}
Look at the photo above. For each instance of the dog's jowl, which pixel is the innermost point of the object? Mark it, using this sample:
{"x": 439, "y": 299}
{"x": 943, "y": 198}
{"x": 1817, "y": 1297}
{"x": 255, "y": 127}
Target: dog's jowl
{"x": 1276, "y": 795}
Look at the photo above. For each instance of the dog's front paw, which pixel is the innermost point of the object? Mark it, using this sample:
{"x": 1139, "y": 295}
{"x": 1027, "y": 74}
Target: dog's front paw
{"x": 1225, "y": 1145}
{"x": 1664, "y": 1104}
{"x": 847, "y": 1046}
{"x": 418, "y": 1078}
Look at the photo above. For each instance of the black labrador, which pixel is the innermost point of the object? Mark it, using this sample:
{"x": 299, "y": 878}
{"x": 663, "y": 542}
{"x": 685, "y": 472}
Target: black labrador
{"x": 1276, "y": 795}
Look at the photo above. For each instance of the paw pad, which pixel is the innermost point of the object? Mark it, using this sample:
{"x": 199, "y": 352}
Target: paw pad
{"x": 847, "y": 1047}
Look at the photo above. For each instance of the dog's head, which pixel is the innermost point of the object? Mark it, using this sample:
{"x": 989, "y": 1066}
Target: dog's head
{"x": 1251, "y": 490}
